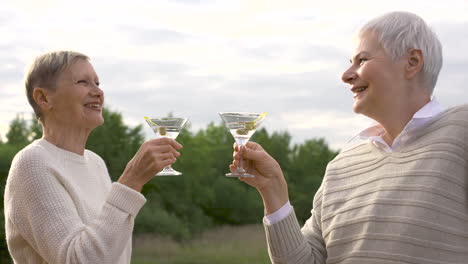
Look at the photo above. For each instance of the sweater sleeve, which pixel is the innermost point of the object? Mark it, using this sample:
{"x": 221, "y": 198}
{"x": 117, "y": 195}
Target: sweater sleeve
{"x": 288, "y": 243}
{"x": 43, "y": 214}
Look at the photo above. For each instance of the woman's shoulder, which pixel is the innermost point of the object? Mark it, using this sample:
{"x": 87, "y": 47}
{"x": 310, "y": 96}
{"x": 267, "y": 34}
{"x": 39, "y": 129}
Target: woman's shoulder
{"x": 455, "y": 114}
{"x": 457, "y": 110}
{"x": 28, "y": 165}
{"x": 31, "y": 159}
{"x": 34, "y": 152}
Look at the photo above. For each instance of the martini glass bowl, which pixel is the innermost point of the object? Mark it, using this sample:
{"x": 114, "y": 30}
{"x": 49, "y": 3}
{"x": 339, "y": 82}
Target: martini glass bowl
{"x": 169, "y": 127}
{"x": 242, "y": 126}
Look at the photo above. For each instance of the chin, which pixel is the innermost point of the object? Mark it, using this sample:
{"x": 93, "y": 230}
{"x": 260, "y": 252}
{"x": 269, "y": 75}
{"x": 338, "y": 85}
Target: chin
{"x": 100, "y": 122}
{"x": 95, "y": 123}
{"x": 361, "y": 110}
{"x": 363, "y": 106}
{"x": 365, "y": 111}
{"x": 357, "y": 108}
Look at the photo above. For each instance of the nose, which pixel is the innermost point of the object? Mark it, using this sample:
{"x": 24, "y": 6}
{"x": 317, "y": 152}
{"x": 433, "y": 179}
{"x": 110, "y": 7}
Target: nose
{"x": 349, "y": 75}
{"x": 97, "y": 91}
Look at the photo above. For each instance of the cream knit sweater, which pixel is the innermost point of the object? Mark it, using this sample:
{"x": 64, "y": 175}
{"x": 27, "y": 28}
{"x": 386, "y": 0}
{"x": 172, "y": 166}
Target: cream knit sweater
{"x": 61, "y": 207}
{"x": 376, "y": 207}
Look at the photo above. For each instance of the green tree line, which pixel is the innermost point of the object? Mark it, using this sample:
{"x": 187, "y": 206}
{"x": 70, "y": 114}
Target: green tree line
{"x": 182, "y": 207}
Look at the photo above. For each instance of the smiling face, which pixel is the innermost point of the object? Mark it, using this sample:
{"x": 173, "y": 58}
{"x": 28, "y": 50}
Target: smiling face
{"x": 376, "y": 81}
{"x": 77, "y": 100}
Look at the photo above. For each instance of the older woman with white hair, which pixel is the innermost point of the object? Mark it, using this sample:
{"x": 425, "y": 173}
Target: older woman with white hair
{"x": 401, "y": 194}
{"x": 60, "y": 203}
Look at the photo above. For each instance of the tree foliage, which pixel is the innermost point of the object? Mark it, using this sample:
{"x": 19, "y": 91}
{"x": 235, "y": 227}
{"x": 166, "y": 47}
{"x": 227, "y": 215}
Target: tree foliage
{"x": 202, "y": 197}
{"x": 115, "y": 142}
{"x": 19, "y": 132}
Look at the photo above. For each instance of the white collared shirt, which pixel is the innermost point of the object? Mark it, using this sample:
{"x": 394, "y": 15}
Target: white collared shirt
{"x": 374, "y": 133}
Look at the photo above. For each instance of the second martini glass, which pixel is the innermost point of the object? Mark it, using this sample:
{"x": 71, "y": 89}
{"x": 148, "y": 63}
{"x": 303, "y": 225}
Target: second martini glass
{"x": 167, "y": 127}
{"x": 242, "y": 126}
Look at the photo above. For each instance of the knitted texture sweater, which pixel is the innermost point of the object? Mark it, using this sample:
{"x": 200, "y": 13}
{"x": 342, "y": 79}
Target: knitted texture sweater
{"x": 61, "y": 207}
{"x": 376, "y": 207}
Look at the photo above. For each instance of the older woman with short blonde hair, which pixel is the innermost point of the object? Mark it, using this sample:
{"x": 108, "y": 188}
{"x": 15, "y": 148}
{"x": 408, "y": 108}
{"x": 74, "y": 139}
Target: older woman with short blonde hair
{"x": 60, "y": 203}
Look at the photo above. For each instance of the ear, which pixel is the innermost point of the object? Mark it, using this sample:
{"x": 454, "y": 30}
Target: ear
{"x": 415, "y": 63}
{"x": 42, "y": 98}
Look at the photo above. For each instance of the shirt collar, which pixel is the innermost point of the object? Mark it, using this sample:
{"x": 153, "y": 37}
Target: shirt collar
{"x": 429, "y": 110}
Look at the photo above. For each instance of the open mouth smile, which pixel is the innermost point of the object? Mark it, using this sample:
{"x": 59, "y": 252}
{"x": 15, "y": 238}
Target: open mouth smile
{"x": 94, "y": 106}
{"x": 358, "y": 90}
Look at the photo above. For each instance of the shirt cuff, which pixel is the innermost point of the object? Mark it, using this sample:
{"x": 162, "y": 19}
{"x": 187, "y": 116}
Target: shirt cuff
{"x": 125, "y": 198}
{"x": 279, "y": 214}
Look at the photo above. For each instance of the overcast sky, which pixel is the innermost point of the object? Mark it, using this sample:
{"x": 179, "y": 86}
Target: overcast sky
{"x": 197, "y": 58}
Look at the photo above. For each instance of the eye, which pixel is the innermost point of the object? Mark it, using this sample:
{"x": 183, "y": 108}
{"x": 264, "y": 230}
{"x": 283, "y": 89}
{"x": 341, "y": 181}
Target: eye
{"x": 362, "y": 60}
{"x": 84, "y": 82}
{"x": 97, "y": 83}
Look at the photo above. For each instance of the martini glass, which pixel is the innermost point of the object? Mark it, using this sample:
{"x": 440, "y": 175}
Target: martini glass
{"x": 242, "y": 126}
{"x": 169, "y": 127}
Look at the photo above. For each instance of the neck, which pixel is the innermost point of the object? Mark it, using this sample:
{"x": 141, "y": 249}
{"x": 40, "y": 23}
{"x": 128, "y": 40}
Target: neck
{"x": 395, "y": 121}
{"x": 66, "y": 137}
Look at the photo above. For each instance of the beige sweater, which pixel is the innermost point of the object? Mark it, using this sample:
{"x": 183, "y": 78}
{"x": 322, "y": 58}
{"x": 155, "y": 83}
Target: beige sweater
{"x": 61, "y": 207}
{"x": 376, "y": 207}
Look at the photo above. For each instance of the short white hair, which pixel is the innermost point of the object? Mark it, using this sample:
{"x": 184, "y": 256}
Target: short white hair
{"x": 400, "y": 32}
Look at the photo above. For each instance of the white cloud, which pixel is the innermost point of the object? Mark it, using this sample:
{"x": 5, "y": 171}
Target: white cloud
{"x": 313, "y": 119}
{"x": 197, "y": 58}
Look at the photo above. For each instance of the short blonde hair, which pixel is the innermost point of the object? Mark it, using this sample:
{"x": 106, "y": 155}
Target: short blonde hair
{"x": 44, "y": 72}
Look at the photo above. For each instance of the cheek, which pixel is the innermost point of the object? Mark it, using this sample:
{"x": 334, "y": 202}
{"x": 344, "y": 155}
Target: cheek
{"x": 367, "y": 73}
{"x": 68, "y": 106}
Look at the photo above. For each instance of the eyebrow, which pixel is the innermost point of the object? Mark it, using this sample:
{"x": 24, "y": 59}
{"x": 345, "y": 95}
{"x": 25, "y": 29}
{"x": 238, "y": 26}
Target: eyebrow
{"x": 85, "y": 76}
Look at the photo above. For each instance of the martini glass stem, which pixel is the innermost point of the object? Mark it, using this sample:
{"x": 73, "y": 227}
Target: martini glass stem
{"x": 168, "y": 168}
{"x": 240, "y": 167}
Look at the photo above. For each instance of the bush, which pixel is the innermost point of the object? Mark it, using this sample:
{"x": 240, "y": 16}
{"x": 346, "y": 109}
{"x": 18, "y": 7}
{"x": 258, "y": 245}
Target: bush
{"x": 153, "y": 219}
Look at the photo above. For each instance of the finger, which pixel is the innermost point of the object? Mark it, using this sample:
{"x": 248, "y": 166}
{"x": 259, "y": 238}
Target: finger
{"x": 160, "y": 160}
{"x": 166, "y": 156}
{"x": 234, "y": 154}
{"x": 177, "y": 145}
{"x": 239, "y": 161}
{"x": 251, "y": 154}
{"x": 235, "y": 163}
{"x": 253, "y": 145}
{"x": 235, "y": 146}
{"x": 232, "y": 168}
{"x": 174, "y": 152}
{"x": 165, "y": 149}
{"x": 166, "y": 162}
{"x": 169, "y": 160}
{"x": 166, "y": 141}
{"x": 237, "y": 155}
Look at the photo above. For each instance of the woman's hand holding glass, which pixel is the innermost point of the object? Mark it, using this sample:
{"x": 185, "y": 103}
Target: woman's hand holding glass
{"x": 150, "y": 159}
{"x": 269, "y": 179}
